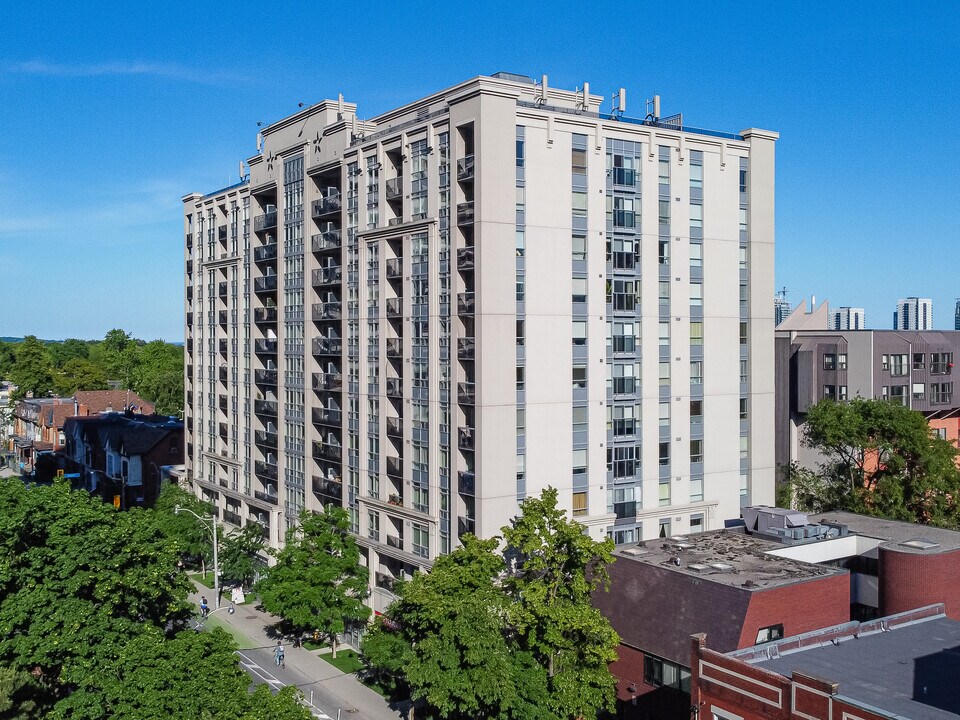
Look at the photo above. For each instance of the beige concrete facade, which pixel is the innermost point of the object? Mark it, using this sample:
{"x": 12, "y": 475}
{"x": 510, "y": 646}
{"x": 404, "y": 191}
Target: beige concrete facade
{"x": 484, "y": 293}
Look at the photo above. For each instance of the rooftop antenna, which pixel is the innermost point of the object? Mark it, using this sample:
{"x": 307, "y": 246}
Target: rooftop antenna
{"x": 584, "y": 102}
{"x": 259, "y": 141}
{"x": 340, "y": 106}
{"x": 653, "y": 108}
{"x": 619, "y": 103}
{"x": 541, "y": 99}
{"x": 782, "y": 293}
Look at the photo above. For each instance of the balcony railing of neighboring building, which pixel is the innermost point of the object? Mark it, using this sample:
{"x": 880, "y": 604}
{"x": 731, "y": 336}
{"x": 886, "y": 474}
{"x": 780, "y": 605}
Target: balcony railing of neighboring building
{"x": 394, "y": 387}
{"x": 465, "y": 168}
{"x": 327, "y": 276}
{"x": 467, "y": 482}
{"x": 265, "y": 377}
{"x": 466, "y": 525}
{"x": 395, "y": 426}
{"x": 395, "y": 541}
{"x": 466, "y": 393}
{"x": 466, "y": 347}
{"x": 465, "y": 258}
{"x": 328, "y": 490}
{"x": 265, "y": 407}
{"x": 232, "y": 518}
{"x": 395, "y": 308}
{"x": 327, "y": 346}
{"x": 326, "y": 241}
{"x": 266, "y": 497}
{"x": 327, "y": 311}
{"x": 265, "y": 346}
{"x": 267, "y": 283}
{"x": 266, "y": 438}
{"x": 465, "y": 213}
{"x": 331, "y": 417}
{"x": 394, "y": 467}
{"x": 394, "y": 188}
{"x": 327, "y": 451}
{"x": 265, "y": 314}
{"x": 624, "y": 177}
{"x": 327, "y": 205}
{"x": 394, "y": 268}
{"x": 265, "y": 222}
{"x": 265, "y": 469}
{"x": 465, "y": 438}
{"x": 327, "y": 382}
{"x": 265, "y": 252}
{"x": 465, "y": 303}
{"x": 394, "y": 347}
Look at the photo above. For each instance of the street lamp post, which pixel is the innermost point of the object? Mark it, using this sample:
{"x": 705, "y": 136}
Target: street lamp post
{"x": 216, "y": 562}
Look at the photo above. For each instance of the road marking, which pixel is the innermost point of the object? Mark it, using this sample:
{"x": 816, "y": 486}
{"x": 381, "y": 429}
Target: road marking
{"x": 260, "y": 672}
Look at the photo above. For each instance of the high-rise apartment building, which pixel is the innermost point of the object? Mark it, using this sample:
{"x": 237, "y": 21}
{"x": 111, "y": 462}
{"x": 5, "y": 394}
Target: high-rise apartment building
{"x": 913, "y": 313}
{"x": 428, "y": 316}
{"x": 848, "y": 318}
{"x": 781, "y": 309}
{"x": 956, "y": 316}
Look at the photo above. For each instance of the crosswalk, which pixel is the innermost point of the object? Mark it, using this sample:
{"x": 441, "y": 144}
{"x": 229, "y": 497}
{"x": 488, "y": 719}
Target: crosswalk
{"x": 252, "y": 667}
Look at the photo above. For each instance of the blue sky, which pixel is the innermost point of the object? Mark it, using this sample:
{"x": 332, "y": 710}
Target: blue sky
{"x": 109, "y": 116}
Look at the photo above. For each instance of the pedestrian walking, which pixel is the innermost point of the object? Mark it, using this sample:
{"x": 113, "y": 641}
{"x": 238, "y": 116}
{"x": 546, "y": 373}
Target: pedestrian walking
{"x": 278, "y": 655}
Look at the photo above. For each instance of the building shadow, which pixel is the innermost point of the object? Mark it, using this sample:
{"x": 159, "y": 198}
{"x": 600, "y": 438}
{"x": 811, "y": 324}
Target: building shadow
{"x": 935, "y": 679}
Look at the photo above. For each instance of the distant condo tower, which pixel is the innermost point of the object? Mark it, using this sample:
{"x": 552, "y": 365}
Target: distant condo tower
{"x": 913, "y": 313}
{"x": 427, "y": 316}
{"x": 848, "y": 318}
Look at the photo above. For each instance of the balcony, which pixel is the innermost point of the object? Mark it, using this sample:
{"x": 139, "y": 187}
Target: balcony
{"x": 467, "y": 482}
{"x": 465, "y": 303}
{"x": 267, "y": 283}
{"x": 223, "y": 431}
{"x": 265, "y": 469}
{"x": 222, "y": 291}
{"x": 395, "y": 427}
{"x": 222, "y": 317}
{"x": 327, "y": 382}
{"x": 265, "y": 346}
{"x": 465, "y": 439}
{"x": 465, "y": 213}
{"x": 265, "y": 314}
{"x": 394, "y": 188}
{"x": 222, "y": 374}
{"x": 465, "y": 168}
{"x": 327, "y": 346}
{"x": 223, "y": 347}
{"x": 328, "y": 205}
{"x": 466, "y": 525}
{"x": 189, "y": 266}
{"x": 466, "y": 348}
{"x": 189, "y": 240}
{"x": 265, "y": 438}
{"x": 394, "y": 499}
{"x": 332, "y": 417}
{"x": 265, "y": 377}
{"x": 394, "y": 467}
{"x": 265, "y": 252}
{"x": 395, "y": 308}
{"x": 466, "y": 393}
{"x": 232, "y": 518}
{"x": 465, "y": 259}
{"x": 395, "y": 541}
{"x": 394, "y": 388}
{"x": 327, "y": 311}
{"x": 190, "y": 346}
{"x": 394, "y": 348}
{"x": 329, "y": 491}
{"x": 327, "y": 241}
{"x": 267, "y": 221}
{"x": 222, "y": 234}
{"x": 265, "y": 407}
{"x": 327, "y": 276}
{"x": 190, "y": 318}
{"x": 266, "y": 497}
{"x": 327, "y": 451}
{"x": 394, "y": 268}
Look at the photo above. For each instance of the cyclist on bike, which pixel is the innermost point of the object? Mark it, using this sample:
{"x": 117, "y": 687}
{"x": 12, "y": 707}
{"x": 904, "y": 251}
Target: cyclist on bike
{"x": 278, "y": 654}
{"x": 204, "y": 608}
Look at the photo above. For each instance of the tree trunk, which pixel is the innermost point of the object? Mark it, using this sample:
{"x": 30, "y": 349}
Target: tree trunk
{"x": 333, "y": 644}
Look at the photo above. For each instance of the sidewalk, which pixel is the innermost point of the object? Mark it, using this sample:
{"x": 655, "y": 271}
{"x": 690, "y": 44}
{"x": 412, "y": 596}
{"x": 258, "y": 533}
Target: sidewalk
{"x": 343, "y": 690}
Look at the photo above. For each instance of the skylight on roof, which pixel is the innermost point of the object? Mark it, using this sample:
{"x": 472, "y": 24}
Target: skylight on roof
{"x": 919, "y": 544}
{"x": 721, "y": 566}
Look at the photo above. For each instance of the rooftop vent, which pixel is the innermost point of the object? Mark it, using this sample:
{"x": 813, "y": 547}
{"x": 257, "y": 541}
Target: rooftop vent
{"x": 698, "y": 567}
{"x": 634, "y": 551}
{"x": 919, "y": 544}
{"x": 721, "y": 566}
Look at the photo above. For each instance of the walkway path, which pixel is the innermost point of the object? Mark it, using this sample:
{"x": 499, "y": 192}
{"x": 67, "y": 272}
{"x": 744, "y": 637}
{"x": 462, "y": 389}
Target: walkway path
{"x": 329, "y": 689}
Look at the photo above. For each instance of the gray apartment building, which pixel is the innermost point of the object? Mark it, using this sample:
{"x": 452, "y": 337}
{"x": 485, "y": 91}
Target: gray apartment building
{"x": 430, "y": 315}
{"x": 908, "y": 366}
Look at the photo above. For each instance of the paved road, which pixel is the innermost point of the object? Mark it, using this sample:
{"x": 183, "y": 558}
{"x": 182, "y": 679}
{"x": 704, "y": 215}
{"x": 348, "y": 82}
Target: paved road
{"x": 260, "y": 665}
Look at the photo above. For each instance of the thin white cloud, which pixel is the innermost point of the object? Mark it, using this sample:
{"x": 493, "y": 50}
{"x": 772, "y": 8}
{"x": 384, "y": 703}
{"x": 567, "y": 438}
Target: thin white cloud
{"x": 172, "y": 71}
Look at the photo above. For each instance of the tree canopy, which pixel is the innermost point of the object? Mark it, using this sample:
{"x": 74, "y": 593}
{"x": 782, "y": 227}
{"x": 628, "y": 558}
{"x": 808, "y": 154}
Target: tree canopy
{"x": 153, "y": 370}
{"x": 505, "y": 633}
{"x": 881, "y": 458}
{"x": 92, "y": 619}
{"x": 318, "y": 582}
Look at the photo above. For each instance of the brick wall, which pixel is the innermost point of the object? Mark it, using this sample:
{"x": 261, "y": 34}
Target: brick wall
{"x": 801, "y": 607}
{"x": 912, "y": 580}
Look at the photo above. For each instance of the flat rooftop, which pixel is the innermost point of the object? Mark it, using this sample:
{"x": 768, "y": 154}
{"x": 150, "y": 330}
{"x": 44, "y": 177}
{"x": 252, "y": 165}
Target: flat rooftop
{"x": 894, "y": 533}
{"x": 728, "y": 557}
{"x": 911, "y": 671}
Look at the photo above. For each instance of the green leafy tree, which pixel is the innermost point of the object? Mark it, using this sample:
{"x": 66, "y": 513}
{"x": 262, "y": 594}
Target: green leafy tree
{"x": 882, "y": 459}
{"x": 32, "y": 368}
{"x": 70, "y": 349}
{"x": 555, "y": 568}
{"x": 318, "y": 582}
{"x": 18, "y": 695}
{"x": 448, "y": 638}
{"x": 118, "y": 353}
{"x": 240, "y": 555}
{"x": 79, "y": 374}
{"x": 8, "y": 359}
{"x": 509, "y": 635}
{"x": 158, "y": 376}
{"x": 189, "y": 538}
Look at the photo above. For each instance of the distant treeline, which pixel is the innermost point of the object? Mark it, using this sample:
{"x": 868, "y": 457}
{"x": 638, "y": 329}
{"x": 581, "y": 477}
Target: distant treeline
{"x": 154, "y": 370}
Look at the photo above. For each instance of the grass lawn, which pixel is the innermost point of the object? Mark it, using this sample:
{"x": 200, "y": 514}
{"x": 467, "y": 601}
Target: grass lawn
{"x": 243, "y": 642}
{"x": 205, "y": 579}
{"x": 346, "y": 661}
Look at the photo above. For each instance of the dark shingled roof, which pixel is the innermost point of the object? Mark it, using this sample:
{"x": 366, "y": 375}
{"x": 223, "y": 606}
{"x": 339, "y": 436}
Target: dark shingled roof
{"x": 911, "y": 671}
